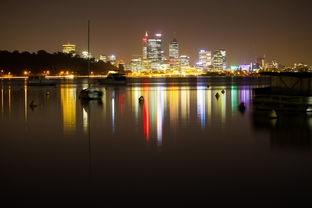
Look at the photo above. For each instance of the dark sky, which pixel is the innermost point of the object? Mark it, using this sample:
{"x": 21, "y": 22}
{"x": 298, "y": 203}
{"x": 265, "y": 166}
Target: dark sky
{"x": 280, "y": 29}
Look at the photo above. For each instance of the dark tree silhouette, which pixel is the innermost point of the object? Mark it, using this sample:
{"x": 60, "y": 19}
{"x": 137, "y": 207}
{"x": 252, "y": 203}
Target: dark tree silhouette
{"x": 16, "y": 63}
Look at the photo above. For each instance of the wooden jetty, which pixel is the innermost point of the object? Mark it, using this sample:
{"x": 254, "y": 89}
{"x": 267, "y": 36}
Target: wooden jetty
{"x": 288, "y": 92}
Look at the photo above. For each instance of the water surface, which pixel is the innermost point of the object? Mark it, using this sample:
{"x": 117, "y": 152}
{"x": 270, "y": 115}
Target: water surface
{"x": 181, "y": 145}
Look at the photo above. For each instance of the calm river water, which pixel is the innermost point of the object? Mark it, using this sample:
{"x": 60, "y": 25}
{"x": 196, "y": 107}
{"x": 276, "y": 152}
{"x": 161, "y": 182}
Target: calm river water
{"x": 180, "y": 146}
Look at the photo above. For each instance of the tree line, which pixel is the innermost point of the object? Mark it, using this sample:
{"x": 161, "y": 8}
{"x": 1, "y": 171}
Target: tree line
{"x": 17, "y": 63}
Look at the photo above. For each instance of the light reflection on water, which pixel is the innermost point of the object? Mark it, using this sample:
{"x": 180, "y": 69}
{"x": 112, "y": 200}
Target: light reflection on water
{"x": 200, "y": 142}
{"x": 165, "y": 110}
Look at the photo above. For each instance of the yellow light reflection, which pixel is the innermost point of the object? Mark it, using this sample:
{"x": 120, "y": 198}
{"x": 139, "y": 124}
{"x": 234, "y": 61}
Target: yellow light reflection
{"x": 9, "y": 99}
{"x": 68, "y": 101}
{"x": 25, "y": 100}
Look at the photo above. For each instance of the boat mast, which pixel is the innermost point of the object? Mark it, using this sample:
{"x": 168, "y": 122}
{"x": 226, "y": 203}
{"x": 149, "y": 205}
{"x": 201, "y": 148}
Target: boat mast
{"x": 88, "y": 53}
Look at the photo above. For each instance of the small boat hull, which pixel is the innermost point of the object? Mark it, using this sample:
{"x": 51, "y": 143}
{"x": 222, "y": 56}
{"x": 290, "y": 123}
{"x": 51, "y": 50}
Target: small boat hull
{"x": 40, "y": 81}
{"x": 91, "y": 94}
{"x": 114, "y": 79}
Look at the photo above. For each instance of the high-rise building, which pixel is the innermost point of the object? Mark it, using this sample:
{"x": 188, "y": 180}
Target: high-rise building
{"x": 219, "y": 60}
{"x": 174, "y": 54}
{"x": 69, "y": 48}
{"x": 174, "y": 50}
{"x": 204, "y": 59}
{"x": 154, "y": 52}
{"x": 144, "y": 45}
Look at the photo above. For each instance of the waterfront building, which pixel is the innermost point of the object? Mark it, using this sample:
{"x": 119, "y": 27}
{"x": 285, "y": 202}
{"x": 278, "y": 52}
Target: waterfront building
{"x": 219, "y": 60}
{"x": 184, "y": 62}
{"x": 146, "y": 65}
{"x": 245, "y": 67}
{"x": 69, "y": 48}
{"x": 136, "y": 65}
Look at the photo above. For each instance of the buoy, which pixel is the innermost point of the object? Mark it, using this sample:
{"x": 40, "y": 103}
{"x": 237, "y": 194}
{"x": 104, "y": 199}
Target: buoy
{"x": 223, "y": 91}
{"x": 242, "y": 107}
{"x": 217, "y": 95}
{"x": 32, "y": 104}
{"x": 141, "y": 99}
{"x": 273, "y": 114}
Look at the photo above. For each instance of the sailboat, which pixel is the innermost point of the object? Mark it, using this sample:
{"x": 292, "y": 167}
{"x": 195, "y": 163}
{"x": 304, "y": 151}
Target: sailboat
{"x": 90, "y": 93}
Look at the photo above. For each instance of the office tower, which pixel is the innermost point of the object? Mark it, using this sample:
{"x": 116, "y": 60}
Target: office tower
{"x": 154, "y": 52}
{"x": 204, "y": 59}
{"x": 219, "y": 60}
{"x": 173, "y": 50}
{"x": 144, "y": 45}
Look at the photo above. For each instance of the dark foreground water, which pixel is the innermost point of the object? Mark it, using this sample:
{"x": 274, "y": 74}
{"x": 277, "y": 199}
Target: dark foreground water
{"x": 182, "y": 146}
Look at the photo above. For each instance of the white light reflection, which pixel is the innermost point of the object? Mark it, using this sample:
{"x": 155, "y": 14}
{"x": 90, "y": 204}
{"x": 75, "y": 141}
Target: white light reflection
{"x": 201, "y": 106}
{"x": 160, "y": 114}
{"x": 25, "y": 101}
{"x": 113, "y": 114}
{"x": 85, "y": 120}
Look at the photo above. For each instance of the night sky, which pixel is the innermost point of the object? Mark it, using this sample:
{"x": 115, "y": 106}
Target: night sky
{"x": 280, "y": 29}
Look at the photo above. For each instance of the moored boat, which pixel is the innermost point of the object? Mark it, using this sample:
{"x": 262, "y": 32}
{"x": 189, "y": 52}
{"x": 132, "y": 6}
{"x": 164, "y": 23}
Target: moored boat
{"x": 40, "y": 81}
{"x": 91, "y": 94}
{"x": 114, "y": 78}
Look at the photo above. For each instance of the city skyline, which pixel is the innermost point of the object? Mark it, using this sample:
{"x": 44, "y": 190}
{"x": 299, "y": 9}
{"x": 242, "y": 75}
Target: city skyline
{"x": 283, "y": 33}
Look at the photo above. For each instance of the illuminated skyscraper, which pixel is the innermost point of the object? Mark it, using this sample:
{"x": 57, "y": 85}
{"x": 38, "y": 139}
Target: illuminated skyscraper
{"x": 154, "y": 52}
{"x": 144, "y": 43}
{"x": 174, "y": 53}
{"x": 69, "y": 48}
{"x": 204, "y": 60}
{"x": 173, "y": 50}
{"x": 219, "y": 60}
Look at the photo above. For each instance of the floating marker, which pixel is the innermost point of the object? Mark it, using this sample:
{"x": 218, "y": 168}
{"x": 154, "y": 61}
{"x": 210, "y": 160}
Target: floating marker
{"x": 242, "y": 107}
{"x": 141, "y": 99}
{"x": 273, "y": 114}
{"x": 217, "y": 95}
